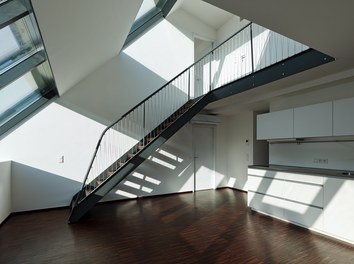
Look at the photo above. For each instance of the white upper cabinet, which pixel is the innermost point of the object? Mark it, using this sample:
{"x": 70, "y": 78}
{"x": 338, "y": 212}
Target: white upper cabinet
{"x": 343, "y": 117}
{"x": 313, "y": 120}
{"x": 335, "y": 118}
{"x": 276, "y": 125}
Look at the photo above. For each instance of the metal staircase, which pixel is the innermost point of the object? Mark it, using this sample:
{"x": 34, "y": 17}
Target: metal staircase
{"x": 252, "y": 57}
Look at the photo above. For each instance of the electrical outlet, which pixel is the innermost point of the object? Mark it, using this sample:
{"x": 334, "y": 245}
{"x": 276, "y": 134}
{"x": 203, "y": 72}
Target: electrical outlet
{"x": 61, "y": 159}
{"x": 320, "y": 160}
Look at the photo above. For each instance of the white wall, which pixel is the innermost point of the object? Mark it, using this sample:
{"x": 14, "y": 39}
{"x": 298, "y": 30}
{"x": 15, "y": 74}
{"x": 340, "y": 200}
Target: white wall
{"x": 112, "y": 90}
{"x": 229, "y": 28}
{"x": 340, "y": 155}
{"x": 191, "y": 26}
{"x": 168, "y": 170}
{"x": 163, "y": 49}
{"x": 343, "y": 88}
{"x": 143, "y": 67}
{"x": 240, "y": 152}
{"x": 171, "y": 169}
{"x": 5, "y": 190}
{"x": 38, "y": 179}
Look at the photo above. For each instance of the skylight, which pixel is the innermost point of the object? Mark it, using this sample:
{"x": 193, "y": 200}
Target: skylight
{"x": 16, "y": 96}
{"x": 15, "y": 44}
{"x": 145, "y": 8}
{"x": 26, "y": 80}
{"x": 149, "y": 13}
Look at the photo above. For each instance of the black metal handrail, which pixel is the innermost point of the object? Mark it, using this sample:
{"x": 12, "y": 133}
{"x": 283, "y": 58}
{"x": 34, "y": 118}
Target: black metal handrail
{"x": 140, "y": 104}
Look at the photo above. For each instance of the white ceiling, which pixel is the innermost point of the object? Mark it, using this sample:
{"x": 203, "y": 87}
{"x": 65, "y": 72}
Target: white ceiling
{"x": 210, "y": 15}
{"x": 82, "y": 35}
{"x": 324, "y": 25}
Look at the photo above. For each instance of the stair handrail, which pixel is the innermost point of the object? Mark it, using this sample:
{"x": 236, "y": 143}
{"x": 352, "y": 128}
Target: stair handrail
{"x": 151, "y": 95}
{"x": 250, "y": 25}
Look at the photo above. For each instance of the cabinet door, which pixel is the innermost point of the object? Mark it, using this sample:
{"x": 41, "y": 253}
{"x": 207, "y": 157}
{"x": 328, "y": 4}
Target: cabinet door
{"x": 343, "y": 117}
{"x": 275, "y": 125}
{"x": 304, "y": 215}
{"x": 339, "y": 208}
{"x": 267, "y": 186}
{"x": 304, "y": 189}
{"x": 266, "y": 204}
{"x": 313, "y": 120}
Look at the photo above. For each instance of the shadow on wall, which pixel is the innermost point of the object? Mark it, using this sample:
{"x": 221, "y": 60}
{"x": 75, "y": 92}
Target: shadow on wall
{"x": 112, "y": 90}
{"x": 37, "y": 189}
{"x": 168, "y": 170}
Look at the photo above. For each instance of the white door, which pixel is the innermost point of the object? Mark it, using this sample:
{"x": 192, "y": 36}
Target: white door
{"x": 204, "y": 157}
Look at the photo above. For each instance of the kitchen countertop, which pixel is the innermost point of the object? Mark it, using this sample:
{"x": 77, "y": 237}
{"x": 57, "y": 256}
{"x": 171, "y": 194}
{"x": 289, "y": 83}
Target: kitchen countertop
{"x": 304, "y": 170}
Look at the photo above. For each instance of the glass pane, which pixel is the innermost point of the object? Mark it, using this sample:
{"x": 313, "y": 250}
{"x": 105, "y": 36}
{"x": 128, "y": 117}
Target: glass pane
{"x": 16, "y": 42}
{"x": 17, "y": 96}
{"x": 146, "y": 6}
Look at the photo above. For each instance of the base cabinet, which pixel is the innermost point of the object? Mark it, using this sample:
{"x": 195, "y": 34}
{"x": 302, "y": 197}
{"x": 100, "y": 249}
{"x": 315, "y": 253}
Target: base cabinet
{"x": 304, "y": 215}
{"x": 339, "y": 208}
{"x": 321, "y": 203}
{"x": 266, "y": 204}
{"x": 293, "y": 197}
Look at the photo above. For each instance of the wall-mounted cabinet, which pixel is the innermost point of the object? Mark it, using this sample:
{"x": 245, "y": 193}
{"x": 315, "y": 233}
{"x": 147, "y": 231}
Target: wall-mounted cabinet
{"x": 276, "y": 125}
{"x": 343, "y": 117}
{"x": 313, "y": 120}
{"x": 307, "y": 121}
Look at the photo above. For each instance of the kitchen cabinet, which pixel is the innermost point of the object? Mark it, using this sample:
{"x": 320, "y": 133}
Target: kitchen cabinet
{"x": 303, "y": 195}
{"x": 334, "y": 118}
{"x": 275, "y": 125}
{"x": 313, "y": 120}
{"x": 323, "y": 203}
{"x": 339, "y": 208}
{"x": 293, "y": 197}
{"x": 343, "y": 117}
{"x": 266, "y": 204}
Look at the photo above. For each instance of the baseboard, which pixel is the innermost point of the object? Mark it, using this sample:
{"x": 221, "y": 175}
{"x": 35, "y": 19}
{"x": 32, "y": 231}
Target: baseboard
{"x": 5, "y": 220}
{"x": 232, "y": 188}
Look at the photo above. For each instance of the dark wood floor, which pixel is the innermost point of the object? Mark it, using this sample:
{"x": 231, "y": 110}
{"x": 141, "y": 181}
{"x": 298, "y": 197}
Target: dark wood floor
{"x": 205, "y": 227}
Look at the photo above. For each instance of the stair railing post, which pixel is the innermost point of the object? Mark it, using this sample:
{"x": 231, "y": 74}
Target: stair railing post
{"x": 251, "y": 37}
{"x": 210, "y": 62}
{"x": 189, "y": 84}
{"x": 144, "y": 128}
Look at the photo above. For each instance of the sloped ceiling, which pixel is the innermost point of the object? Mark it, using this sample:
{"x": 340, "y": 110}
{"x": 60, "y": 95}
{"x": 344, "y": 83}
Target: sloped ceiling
{"x": 81, "y": 35}
{"x": 208, "y": 14}
{"x": 324, "y": 25}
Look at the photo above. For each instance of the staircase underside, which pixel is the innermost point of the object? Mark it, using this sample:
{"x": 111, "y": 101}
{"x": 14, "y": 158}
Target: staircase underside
{"x": 298, "y": 63}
